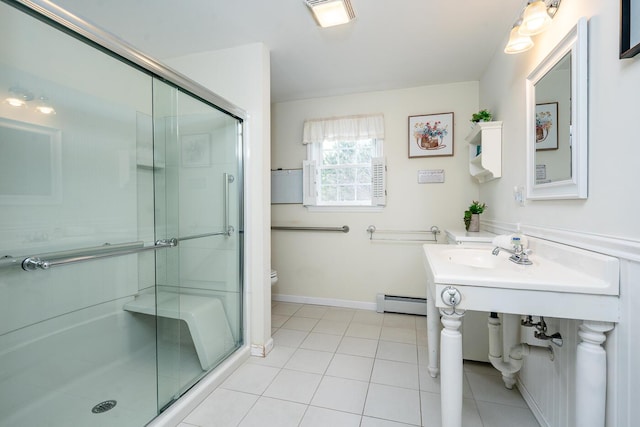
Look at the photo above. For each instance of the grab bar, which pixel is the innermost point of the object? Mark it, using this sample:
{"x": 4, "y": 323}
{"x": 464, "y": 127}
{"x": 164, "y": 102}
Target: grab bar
{"x": 46, "y": 261}
{"x": 226, "y": 180}
{"x": 344, "y": 228}
{"x": 434, "y": 230}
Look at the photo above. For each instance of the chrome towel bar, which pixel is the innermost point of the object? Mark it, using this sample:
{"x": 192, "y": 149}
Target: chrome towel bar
{"x": 434, "y": 231}
{"x": 344, "y": 228}
{"x": 218, "y": 233}
{"x": 53, "y": 259}
{"x": 36, "y": 262}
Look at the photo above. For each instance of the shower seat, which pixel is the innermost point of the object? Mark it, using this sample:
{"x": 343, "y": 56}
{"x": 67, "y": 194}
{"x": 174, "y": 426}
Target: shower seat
{"x": 205, "y": 317}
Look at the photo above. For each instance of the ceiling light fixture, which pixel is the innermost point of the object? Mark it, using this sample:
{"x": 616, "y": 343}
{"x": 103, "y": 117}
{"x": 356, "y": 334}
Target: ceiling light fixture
{"x": 329, "y": 13}
{"x": 534, "y": 19}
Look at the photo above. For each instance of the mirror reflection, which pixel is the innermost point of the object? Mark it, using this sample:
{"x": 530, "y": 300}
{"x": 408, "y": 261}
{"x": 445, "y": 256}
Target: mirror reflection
{"x": 553, "y": 124}
{"x": 557, "y": 128}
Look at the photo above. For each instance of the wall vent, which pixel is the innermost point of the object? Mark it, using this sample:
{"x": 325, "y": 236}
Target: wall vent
{"x": 400, "y": 304}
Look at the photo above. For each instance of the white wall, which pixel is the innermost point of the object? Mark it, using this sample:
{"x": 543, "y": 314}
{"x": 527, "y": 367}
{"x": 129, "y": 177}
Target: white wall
{"x": 349, "y": 267}
{"x": 241, "y": 75}
{"x": 605, "y": 222}
{"x": 614, "y": 86}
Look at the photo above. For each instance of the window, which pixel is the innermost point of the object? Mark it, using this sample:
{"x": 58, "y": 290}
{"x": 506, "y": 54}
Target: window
{"x": 345, "y": 165}
{"x": 344, "y": 171}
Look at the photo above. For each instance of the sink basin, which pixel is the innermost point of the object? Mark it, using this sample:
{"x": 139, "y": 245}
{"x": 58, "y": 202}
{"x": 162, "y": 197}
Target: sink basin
{"x": 554, "y": 268}
{"x": 563, "y": 281}
{"x": 479, "y": 258}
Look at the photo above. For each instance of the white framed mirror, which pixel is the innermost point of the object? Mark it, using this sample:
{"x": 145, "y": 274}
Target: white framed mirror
{"x": 557, "y": 128}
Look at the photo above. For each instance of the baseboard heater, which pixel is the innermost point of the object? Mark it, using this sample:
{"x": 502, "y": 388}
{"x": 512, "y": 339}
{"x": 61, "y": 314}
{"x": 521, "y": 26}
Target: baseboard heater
{"x": 399, "y": 304}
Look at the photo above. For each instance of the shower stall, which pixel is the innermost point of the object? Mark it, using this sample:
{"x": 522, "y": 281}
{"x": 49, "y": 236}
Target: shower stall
{"x": 121, "y": 226}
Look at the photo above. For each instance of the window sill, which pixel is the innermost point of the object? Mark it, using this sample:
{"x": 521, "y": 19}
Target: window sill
{"x": 345, "y": 208}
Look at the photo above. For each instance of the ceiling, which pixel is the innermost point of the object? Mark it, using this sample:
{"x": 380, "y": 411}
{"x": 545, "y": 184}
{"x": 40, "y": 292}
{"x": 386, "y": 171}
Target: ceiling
{"x": 391, "y": 44}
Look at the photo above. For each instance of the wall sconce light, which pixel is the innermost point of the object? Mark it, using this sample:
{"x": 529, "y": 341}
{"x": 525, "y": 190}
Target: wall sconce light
{"x": 329, "y": 13}
{"x": 18, "y": 96}
{"x": 535, "y": 19}
{"x": 517, "y": 42}
{"x": 44, "y": 107}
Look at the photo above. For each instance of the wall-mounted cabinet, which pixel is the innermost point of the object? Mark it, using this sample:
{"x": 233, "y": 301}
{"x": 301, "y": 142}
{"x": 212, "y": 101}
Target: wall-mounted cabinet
{"x": 485, "y": 151}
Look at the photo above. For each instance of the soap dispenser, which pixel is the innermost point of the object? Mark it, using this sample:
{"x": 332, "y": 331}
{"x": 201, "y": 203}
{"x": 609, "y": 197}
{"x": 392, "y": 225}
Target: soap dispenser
{"x": 516, "y": 240}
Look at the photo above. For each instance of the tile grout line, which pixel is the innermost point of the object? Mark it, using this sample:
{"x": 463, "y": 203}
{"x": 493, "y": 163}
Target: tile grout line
{"x": 390, "y": 322}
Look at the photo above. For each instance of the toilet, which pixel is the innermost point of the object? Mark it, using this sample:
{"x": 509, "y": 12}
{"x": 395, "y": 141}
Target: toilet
{"x": 274, "y": 277}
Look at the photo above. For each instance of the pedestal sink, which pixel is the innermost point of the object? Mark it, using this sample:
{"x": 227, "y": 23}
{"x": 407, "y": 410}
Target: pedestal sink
{"x": 563, "y": 282}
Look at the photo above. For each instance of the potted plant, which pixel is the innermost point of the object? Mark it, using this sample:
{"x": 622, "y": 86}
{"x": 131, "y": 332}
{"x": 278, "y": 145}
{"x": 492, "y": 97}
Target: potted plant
{"x": 474, "y": 211}
{"x": 467, "y": 220}
{"x": 481, "y": 116}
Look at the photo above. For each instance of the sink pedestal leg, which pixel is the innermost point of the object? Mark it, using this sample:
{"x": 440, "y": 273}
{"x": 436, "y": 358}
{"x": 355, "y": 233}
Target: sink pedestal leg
{"x": 510, "y": 337}
{"x": 591, "y": 374}
{"x": 451, "y": 364}
{"x": 433, "y": 335}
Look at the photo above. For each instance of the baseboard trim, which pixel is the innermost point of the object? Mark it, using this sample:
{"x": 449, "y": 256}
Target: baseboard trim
{"x": 262, "y": 350}
{"x": 332, "y": 302}
{"x": 532, "y": 404}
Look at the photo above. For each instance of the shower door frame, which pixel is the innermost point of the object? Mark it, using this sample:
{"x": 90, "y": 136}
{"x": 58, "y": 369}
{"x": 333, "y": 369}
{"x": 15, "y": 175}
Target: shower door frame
{"x": 106, "y": 42}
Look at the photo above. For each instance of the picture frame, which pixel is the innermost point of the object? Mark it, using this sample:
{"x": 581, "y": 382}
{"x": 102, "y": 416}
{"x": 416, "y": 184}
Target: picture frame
{"x": 195, "y": 151}
{"x": 629, "y": 28}
{"x": 430, "y": 135}
{"x": 547, "y": 126}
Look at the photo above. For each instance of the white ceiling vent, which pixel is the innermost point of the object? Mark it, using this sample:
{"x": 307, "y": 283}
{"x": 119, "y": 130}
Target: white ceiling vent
{"x": 329, "y": 13}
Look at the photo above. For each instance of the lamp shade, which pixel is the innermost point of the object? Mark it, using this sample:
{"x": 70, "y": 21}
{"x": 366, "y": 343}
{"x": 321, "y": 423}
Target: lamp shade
{"x": 16, "y": 102}
{"x": 535, "y": 19}
{"x": 518, "y": 43}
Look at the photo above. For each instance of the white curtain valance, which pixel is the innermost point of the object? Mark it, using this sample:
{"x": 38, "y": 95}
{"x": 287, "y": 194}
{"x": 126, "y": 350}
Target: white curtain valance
{"x": 343, "y": 128}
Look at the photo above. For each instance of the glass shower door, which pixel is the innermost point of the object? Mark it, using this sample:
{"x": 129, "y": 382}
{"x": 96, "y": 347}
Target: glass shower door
{"x": 198, "y": 182}
{"x": 72, "y": 188}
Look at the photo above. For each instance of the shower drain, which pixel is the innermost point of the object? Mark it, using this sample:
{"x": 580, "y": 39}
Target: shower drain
{"x": 104, "y": 406}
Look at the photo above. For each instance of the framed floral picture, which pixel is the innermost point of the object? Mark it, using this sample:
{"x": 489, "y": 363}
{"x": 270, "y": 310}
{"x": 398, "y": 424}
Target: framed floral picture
{"x": 431, "y": 135}
{"x": 547, "y": 126}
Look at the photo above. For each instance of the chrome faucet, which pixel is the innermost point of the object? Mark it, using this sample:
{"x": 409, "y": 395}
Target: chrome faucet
{"x": 519, "y": 255}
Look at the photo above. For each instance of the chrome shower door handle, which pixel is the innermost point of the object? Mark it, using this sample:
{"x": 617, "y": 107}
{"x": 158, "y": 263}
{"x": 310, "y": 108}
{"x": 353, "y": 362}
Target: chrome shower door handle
{"x": 227, "y": 179}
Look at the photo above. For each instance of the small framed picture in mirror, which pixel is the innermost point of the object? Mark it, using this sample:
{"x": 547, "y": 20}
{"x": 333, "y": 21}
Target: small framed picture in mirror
{"x": 547, "y": 126}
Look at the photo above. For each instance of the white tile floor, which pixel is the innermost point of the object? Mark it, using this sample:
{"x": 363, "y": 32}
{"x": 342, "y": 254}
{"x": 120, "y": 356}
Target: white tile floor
{"x": 335, "y": 367}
